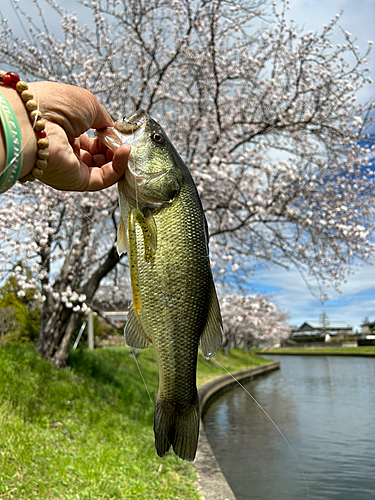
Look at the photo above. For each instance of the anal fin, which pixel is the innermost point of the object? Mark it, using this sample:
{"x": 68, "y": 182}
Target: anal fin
{"x": 211, "y": 337}
{"x": 135, "y": 336}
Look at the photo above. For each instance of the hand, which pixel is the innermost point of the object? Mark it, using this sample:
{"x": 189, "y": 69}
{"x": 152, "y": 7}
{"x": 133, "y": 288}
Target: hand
{"x": 76, "y": 162}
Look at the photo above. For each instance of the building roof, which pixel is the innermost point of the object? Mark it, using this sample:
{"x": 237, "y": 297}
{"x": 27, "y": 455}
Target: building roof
{"x": 331, "y": 325}
{"x": 312, "y": 333}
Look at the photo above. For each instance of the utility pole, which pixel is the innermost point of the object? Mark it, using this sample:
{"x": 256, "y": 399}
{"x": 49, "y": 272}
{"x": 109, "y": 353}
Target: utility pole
{"x": 90, "y": 332}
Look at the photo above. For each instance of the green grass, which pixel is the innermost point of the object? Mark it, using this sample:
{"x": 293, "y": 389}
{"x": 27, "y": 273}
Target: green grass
{"x": 331, "y": 350}
{"x": 85, "y": 432}
{"x": 235, "y": 361}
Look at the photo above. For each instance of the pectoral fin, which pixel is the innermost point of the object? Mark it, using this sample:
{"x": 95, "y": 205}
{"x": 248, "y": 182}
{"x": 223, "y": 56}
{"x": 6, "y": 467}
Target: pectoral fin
{"x": 134, "y": 333}
{"x": 149, "y": 239}
{"x": 210, "y": 340}
{"x": 121, "y": 244}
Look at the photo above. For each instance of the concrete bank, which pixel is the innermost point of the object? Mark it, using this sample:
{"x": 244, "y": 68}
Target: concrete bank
{"x": 212, "y": 482}
{"x": 303, "y": 352}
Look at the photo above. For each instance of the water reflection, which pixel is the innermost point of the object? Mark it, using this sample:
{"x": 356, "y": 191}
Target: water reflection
{"x": 325, "y": 406}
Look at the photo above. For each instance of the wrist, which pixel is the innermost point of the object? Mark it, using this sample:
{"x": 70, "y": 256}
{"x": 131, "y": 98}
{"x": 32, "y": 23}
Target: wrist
{"x": 29, "y": 142}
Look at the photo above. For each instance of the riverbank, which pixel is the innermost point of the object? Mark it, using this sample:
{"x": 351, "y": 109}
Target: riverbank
{"x": 322, "y": 351}
{"x": 87, "y": 431}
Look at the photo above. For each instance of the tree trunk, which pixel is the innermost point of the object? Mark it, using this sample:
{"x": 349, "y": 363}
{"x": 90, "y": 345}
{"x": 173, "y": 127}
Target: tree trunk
{"x": 56, "y": 330}
{"x": 58, "y": 323}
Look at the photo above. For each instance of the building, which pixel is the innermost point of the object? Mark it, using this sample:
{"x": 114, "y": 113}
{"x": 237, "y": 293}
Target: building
{"x": 314, "y": 331}
{"x": 367, "y": 328}
{"x": 367, "y": 336}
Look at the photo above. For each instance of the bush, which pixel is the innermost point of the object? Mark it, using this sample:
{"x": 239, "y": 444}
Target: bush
{"x": 19, "y": 313}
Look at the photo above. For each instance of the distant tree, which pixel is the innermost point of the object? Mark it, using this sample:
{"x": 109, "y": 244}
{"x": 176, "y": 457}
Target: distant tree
{"x": 251, "y": 319}
{"x": 19, "y": 308}
{"x": 265, "y": 115}
{"x": 324, "y": 321}
{"x": 8, "y": 321}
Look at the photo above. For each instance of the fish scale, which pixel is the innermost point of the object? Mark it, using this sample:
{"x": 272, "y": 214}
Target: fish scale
{"x": 181, "y": 285}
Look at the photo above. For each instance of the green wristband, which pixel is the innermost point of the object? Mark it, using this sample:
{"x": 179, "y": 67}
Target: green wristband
{"x": 13, "y": 142}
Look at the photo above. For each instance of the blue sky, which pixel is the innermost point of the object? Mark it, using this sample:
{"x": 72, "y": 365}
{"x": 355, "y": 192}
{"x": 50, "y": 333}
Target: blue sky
{"x": 288, "y": 290}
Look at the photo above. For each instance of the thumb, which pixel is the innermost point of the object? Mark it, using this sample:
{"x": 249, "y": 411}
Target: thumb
{"x": 111, "y": 172}
{"x": 101, "y": 118}
{"x": 120, "y": 159}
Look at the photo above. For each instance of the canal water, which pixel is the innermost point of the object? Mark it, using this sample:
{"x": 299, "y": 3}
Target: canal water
{"x": 325, "y": 408}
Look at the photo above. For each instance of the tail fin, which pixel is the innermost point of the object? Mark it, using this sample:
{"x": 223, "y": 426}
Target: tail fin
{"x": 177, "y": 429}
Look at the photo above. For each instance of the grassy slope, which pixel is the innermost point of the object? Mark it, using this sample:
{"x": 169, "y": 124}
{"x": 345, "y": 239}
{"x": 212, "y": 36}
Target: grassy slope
{"x": 85, "y": 432}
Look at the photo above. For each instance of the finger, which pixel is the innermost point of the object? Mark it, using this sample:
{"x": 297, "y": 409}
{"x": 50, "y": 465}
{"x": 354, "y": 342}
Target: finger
{"x": 120, "y": 159}
{"x": 94, "y": 146}
{"x": 97, "y": 160}
{"x": 86, "y": 158}
{"x": 85, "y": 141}
{"x": 110, "y": 173}
{"x": 109, "y": 155}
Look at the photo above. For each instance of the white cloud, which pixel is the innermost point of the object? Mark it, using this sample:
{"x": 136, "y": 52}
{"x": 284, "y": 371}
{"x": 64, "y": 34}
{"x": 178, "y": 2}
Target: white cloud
{"x": 356, "y": 301}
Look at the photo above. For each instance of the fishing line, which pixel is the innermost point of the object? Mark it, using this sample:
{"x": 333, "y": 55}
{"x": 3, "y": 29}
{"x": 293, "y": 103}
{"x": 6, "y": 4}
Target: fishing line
{"x": 135, "y": 185}
{"x": 20, "y": 21}
{"x": 143, "y": 380}
{"x": 272, "y": 421}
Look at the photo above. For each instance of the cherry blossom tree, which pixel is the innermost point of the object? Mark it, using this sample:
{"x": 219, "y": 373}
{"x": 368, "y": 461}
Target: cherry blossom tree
{"x": 265, "y": 115}
{"x": 68, "y": 240}
{"x": 251, "y": 319}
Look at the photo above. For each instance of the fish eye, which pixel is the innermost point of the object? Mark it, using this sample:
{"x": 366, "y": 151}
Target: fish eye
{"x": 158, "y": 138}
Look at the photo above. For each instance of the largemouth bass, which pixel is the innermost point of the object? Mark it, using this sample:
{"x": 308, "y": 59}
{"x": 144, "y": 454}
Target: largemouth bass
{"x": 175, "y": 307}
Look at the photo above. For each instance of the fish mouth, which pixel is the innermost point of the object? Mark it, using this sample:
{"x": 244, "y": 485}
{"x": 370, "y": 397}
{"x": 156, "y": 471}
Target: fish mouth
{"x": 129, "y": 131}
{"x": 134, "y": 132}
{"x": 135, "y": 122}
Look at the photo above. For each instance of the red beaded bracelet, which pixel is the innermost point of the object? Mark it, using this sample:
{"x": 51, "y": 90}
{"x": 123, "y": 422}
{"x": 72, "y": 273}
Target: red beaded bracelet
{"x": 11, "y": 79}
